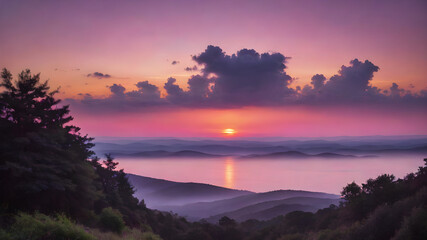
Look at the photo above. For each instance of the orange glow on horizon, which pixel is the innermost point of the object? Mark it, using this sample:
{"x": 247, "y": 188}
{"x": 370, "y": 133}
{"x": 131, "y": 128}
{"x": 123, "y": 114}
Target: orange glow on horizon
{"x": 229, "y": 131}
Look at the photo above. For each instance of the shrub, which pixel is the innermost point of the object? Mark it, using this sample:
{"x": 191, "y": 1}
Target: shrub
{"x": 295, "y": 236}
{"x": 329, "y": 234}
{"x": 150, "y": 236}
{"x": 414, "y": 226}
{"x": 111, "y": 220}
{"x": 40, "y": 226}
{"x": 227, "y": 222}
{"x": 5, "y": 235}
{"x": 128, "y": 234}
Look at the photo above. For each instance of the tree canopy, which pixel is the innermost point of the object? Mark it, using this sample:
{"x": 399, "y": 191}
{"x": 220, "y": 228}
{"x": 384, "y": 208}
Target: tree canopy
{"x": 43, "y": 161}
{"x": 46, "y": 165}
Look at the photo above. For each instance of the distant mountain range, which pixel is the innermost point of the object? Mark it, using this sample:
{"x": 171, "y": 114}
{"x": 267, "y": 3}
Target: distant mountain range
{"x": 162, "y": 154}
{"x": 198, "y": 201}
{"x": 195, "y": 154}
{"x": 296, "y": 154}
{"x": 331, "y": 148}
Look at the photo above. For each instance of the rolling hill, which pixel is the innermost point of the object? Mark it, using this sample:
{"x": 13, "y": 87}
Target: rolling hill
{"x": 158, "y": 192}
{"x": 201, "y": 210}
{"x": 270, "y": 209}
{"x": 198, "y": 201}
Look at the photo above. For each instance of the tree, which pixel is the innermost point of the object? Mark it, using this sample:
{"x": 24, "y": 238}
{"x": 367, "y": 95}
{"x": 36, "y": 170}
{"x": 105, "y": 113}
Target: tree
{"x": 43, "y": 162}
{"x": 118, "y": 191}
{"x": 227, "y": 222}
{"x": 351, "y": 191}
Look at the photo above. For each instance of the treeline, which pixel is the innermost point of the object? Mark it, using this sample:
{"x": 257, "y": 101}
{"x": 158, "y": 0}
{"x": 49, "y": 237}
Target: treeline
{"x": 47, "y": 170}
{"x": 52, "y": 186}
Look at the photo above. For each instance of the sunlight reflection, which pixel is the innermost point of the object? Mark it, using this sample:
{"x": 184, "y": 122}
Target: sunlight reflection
{"x": 229, "y": 173}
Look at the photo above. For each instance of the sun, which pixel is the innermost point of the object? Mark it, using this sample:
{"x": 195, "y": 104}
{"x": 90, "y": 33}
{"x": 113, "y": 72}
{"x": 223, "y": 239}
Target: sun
{"x": 229, "y": 131}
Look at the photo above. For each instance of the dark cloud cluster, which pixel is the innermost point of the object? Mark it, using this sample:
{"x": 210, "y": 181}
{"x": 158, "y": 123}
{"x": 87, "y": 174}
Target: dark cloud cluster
{"x": 174, "y": 62}
{"x": 145, "y": 96}
{"x": 352, "y": 83}
{"x": 98, "y": 75}
{"x": 146, "y": 93}
{"x": 248, "y": 78}
{"x": 245, "y": 78}
{"x": 198, "y": 93}
{"x": 241, "y": 79}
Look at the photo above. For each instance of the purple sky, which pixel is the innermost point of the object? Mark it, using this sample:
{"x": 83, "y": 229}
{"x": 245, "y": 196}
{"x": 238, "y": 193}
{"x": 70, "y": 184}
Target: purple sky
{"x": 98, "y": 50}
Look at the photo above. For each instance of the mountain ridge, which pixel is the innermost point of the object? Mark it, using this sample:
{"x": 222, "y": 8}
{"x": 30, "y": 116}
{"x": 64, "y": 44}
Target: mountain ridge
{"x": 198, "y": 201}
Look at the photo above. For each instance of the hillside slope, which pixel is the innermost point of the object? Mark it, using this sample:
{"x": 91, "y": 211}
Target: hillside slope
{"x": 158, "y": 192}
{"x": 269, "y": 209}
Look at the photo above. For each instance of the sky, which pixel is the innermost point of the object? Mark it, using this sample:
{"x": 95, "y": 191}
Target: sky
{"x": 195, "y": 68}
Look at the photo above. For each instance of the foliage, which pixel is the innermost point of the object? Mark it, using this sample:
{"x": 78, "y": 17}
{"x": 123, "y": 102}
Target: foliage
{"x": 43, "y": 161}
{"x": 295, "y": 236}
{"x": 40, "y": 226}
{"x": 128, "y": 234}
{"x": 227, "y": 222}
{"x": 4, "y": 235}
{"x": 118, "y": 192}
{"x": 48, "y": 164}
{"x": 112, "y": 220}
{"x": 414, "y": 226}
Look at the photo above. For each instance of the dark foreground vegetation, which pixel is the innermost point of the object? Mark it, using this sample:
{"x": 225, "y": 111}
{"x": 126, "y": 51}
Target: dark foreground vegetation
{"x": 52, "y": 186}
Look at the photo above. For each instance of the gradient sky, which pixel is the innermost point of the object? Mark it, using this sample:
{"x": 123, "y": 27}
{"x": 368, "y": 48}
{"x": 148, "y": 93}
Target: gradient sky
{"x": 135, "y": 41}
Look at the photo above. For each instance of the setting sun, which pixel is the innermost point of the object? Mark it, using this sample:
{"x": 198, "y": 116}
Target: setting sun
{"x": 229, "y": 131}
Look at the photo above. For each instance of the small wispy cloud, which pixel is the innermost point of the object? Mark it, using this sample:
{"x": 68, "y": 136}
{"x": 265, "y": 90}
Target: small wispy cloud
{"x": 189, "y": 69}
{"x": 98, "y": 75}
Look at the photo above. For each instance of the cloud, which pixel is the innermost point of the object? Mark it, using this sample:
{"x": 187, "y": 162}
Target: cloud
{"x": 117, "y": 90}
{"x": 245, "y": 78}
{"x": 98, "y": 75}
{"x": 189, "y": 69}
{"x": 85, "y": 95}
{"x": 175, "y": 93}
{"x": 174, "y": 62}
{"x": 351, "y": 84}
{"x": 249, "y": 78}
{"x": 120, "y": 100}
{"x": 63, "y": 70}
{"x": 318, "y": 81}
{"x": 197, "y": 94}
{"x": 146, "y": 92}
